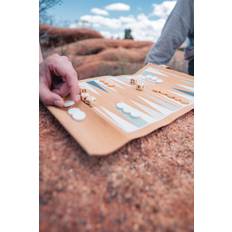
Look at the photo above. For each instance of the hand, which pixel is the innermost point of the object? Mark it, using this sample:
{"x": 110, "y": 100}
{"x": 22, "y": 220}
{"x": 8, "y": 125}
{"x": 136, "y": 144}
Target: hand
{"x": 53, "y": 69}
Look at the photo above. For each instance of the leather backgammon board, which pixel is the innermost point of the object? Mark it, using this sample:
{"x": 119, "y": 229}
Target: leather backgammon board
{"x": 127, "y": 107}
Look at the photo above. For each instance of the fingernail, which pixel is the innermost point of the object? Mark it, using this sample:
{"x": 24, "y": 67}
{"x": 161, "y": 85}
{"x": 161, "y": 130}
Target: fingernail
{"x": 59, "y": 103}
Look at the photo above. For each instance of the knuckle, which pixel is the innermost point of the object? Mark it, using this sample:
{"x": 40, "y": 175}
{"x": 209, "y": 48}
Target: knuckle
{"x": 65, "y": 58}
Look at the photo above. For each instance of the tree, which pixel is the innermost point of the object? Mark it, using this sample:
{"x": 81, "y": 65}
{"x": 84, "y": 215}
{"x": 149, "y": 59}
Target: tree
{"x": 44, "y": 5}
{"x": 127, "y": 34}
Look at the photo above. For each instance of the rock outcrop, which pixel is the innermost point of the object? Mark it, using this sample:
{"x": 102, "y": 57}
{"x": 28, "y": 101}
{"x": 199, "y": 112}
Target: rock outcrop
{"x": 97, "y": 57}
{"x": 55, "y": 36}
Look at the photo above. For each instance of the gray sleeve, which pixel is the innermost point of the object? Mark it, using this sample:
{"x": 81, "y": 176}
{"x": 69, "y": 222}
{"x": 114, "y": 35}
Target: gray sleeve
{"x": 176, "y": 29}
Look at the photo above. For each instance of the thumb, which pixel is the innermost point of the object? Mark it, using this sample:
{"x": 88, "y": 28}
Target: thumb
{"x": 50, "y": 98}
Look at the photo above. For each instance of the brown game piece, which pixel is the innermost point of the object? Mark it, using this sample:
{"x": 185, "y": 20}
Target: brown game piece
{"x": 156, "y": 91}
{"x": 111, "y": 84}
{"x": 177, "y": 99}
{"x": 184, "y": 101}
{"x": 83, "y": 91}
{"x": 159, "y": 91}
{"x": 169, "y": 95}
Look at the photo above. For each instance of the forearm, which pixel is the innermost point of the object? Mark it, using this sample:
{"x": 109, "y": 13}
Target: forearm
{"x": 174, "y": 33}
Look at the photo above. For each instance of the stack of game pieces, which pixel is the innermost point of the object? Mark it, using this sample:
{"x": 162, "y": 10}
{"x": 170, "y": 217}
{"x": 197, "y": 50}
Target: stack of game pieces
{"x": 128, "y": 110}
{"x": 138, "y": 83}
{"x": 86, "y": 98}
{"x": 170, "y": 95}
{"x": 108, "y": 83}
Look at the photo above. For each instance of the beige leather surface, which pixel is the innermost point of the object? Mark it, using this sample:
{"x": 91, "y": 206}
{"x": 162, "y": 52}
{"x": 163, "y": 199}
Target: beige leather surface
{"x": 98, "y": 134}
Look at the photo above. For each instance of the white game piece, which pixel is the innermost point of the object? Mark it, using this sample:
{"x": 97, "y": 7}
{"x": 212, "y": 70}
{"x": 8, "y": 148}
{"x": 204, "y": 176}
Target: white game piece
{"x": 126, "y": 109}
{"x": 120, "y": 105}
{"x": 73, "y": 110}
{"x": 159, "y": 81}
{"x": 150, "y": 77}
{"x": 135, "y": 114}
{"x": 69, "y": 103}
{"x": 79, "y": 115}
{"x": 93, "y": 99}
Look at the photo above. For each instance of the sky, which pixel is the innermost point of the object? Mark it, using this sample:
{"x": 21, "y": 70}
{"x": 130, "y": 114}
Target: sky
{"x": 111, "y": 17}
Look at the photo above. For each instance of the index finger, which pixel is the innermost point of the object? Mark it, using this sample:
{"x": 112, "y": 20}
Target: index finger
{"x": 65, "y": 69}
{"x": 72, "y": 81}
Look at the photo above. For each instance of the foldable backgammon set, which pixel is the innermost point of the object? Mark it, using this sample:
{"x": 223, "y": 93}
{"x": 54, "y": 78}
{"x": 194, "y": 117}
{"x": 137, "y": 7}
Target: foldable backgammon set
{"x": 118, "y": 109}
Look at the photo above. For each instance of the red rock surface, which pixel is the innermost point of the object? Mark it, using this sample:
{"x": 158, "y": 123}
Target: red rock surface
{"x": 55, "y": 36}
{"x": 145, "y": 186}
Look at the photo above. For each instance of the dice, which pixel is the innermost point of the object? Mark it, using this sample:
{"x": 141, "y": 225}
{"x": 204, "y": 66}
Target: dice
{"x": 140, "y": 85}
{"x": 132, "y": 81}
{"x": 89, "y": 100}
{"x": 84, "y": 95}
